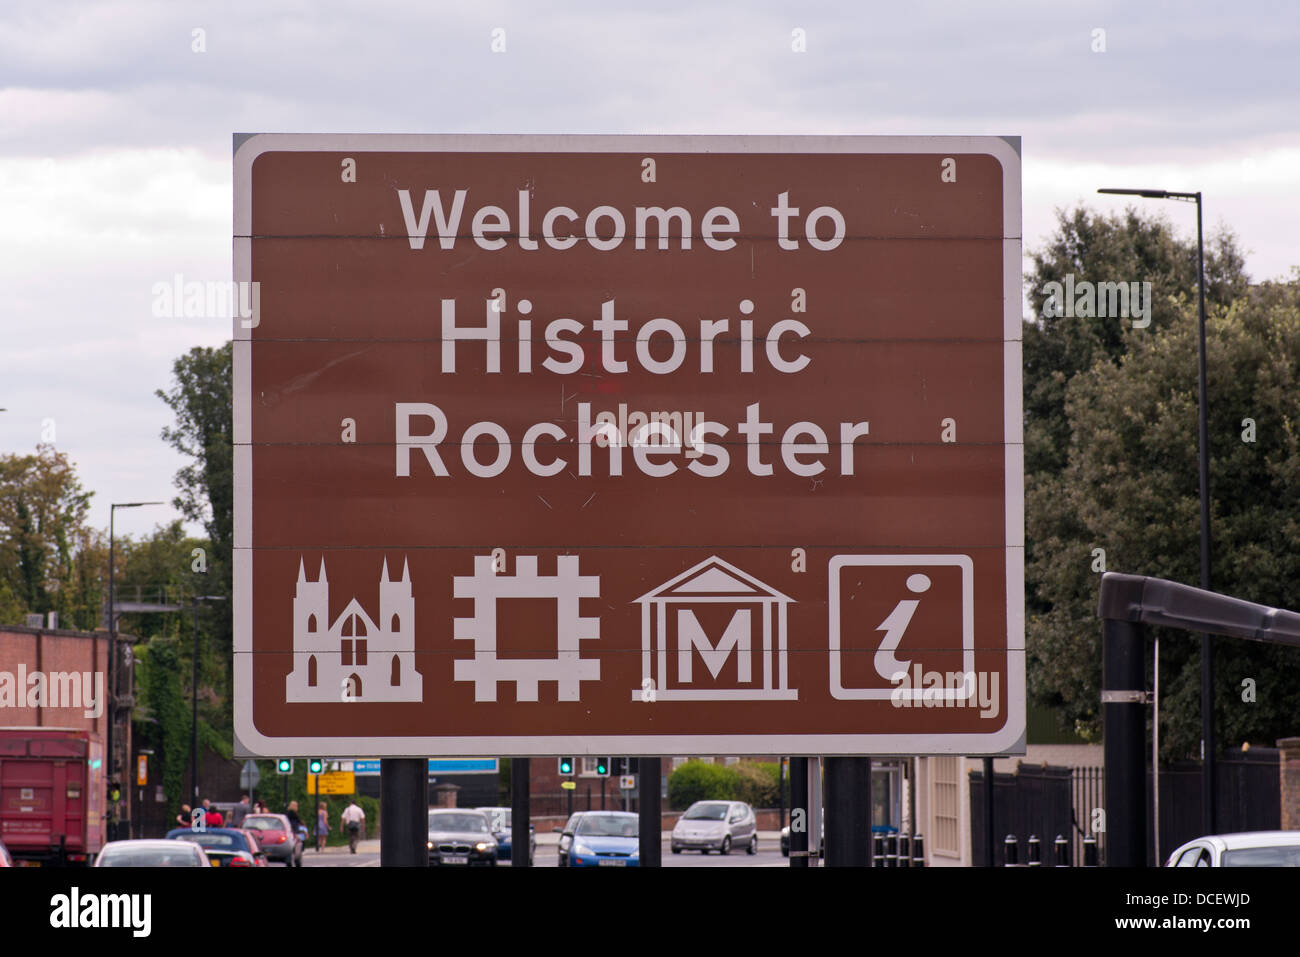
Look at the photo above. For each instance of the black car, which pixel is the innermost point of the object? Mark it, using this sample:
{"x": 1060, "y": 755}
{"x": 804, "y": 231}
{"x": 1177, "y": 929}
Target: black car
{"x": 460, "y": 837}
{"x": 226, "y": 846}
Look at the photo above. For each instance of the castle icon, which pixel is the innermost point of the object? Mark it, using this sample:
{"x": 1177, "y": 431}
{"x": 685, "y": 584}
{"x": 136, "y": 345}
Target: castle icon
{"x": 353, "y": 658}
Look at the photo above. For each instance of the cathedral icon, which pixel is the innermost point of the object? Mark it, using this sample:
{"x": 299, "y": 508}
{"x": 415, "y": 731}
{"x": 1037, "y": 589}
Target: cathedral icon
{"x": 354, "y": 657}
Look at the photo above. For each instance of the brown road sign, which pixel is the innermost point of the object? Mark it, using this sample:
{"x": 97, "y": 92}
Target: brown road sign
{"x": 652, "y": 445}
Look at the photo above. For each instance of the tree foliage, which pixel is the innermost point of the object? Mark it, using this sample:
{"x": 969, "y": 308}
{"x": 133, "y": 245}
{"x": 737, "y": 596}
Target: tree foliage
{"x": 1130, "y": 487}
{"x": 200, "y": 398}
{"x": 43, "y": 511}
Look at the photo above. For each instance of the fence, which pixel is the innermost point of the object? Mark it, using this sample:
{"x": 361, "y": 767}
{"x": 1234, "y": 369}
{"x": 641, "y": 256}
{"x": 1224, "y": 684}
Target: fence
{"x": 1035, "y": 801}
{"x": 1045, "y": 802}
{"x": 1248, "y": 791}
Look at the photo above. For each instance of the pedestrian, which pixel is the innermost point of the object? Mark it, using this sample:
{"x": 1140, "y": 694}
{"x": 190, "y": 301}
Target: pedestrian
{"x": 185, "y": 818}
{"x": 240, "y": 811}
{"x": 322, "y": 827}
{"x": 354, "y": 819}
{"x": 214, "y": 818}
{"x": 291, "y": 812}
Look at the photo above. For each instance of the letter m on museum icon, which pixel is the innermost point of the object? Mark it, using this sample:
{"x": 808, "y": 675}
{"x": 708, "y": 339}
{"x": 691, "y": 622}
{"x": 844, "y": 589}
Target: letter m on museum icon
{"x": 714, "y": 633}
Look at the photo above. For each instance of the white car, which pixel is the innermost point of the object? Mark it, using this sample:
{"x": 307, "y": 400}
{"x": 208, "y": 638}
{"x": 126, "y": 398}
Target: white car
{"x": 1247, "y": 849}
{"x": 716, "y": 826}
{"x": 152, "y": 853}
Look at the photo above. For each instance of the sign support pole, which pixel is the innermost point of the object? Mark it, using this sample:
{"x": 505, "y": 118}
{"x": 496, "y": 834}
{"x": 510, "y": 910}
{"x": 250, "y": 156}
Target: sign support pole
{"x": 404, "y": 811}
{"x": 848, "y": 812}
{"x": 519, "y": 810}
{"x": 1124, "y": 722}
{"x": 799, "y": 809}
{"x": 651, "y": 841}
{"x": 989, "y": 852}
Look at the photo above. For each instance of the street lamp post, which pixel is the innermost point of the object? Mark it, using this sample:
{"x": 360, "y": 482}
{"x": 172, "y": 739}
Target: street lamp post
{"x": 112, "y": 646}
{"x": 194, "y": 698}
{"x": 1203, "y": 462}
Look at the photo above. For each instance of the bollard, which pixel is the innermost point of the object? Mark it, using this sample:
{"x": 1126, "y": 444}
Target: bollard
{"x": 1090, "y": 852}
{"x": 904, "y": 850}
{"x": 1061, "y": 851}
{"x": 878, "y": 850}
{"x": 1035, "y": 852}
{"x": 1010, "y": 852}
{"x": 918, "y": 851}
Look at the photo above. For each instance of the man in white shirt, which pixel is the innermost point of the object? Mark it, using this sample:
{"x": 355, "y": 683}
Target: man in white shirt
{"x": 354, "y": 819}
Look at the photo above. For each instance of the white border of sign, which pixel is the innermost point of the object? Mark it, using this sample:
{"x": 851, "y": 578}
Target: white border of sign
{"x": 1010, "y": 740}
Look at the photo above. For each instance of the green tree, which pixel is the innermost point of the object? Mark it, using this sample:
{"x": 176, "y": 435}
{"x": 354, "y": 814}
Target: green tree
{"x": 43, "y": 512}
{"x": 1130, "y": 487}
{"x": 200, "y": 398}
{"x": 1128, "y": 247}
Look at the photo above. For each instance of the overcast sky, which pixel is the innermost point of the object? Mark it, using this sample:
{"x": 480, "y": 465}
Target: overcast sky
{"x": 115, "y": 138}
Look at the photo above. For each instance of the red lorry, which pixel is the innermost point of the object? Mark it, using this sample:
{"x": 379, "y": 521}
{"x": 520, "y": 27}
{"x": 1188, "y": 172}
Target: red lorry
{"x": 51, "y": 795}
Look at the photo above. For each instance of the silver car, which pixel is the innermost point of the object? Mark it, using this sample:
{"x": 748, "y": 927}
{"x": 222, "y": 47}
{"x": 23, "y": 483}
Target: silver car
{"x": 277, "y": 838}
{"x": 716, "y": 826}
{"x": 1248, "y": 849}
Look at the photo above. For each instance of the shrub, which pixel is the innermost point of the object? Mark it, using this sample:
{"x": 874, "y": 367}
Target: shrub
{"x": 701, "y": 781}
{"x": 757, "y": 784}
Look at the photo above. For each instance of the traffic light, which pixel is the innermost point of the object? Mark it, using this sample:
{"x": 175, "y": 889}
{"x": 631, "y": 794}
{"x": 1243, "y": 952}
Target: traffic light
{"x": 316, "y": 765}
{"x": 284, "y": 766}
{"x": 566, "y": 767}
{"x": 602, "y": 767}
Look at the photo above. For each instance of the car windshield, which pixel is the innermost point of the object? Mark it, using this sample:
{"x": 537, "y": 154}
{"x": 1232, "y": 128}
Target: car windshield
{"x": 1285, "y": 856}
{"x": 263, "y": 824}
{"x": 150, "y": 857}
{"x": 457, "y": 822}
{"x": 607, "y": 825}
{"x": 706, "y": 812}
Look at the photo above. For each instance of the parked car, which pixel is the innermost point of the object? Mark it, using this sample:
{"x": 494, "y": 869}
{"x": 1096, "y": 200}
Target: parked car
{"x": 600, "y": 839}
{"x": 500, "y": 819}
{"x": 153, "y": 853}
{"x": 460, "y": 837}
{"x": 716, "y": 826}
{"x": 277, "y": 838}
{"x": 226, "y": 846}
{"x": 1247, "y": 849}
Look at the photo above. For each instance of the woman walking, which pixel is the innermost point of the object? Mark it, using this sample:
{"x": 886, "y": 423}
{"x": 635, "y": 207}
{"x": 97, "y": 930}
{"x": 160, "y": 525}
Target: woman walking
{"x": 322, "y": 827}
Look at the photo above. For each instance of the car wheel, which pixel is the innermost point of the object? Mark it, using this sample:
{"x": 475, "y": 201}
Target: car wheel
{"x": 753, "y": 845}
{"x": 726, "y": 845}
{"x": 676, "y": 849}
{"x": 704, "y": 850}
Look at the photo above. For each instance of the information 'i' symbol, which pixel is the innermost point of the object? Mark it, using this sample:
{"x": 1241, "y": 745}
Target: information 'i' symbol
{"x": 895, "y": 625}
